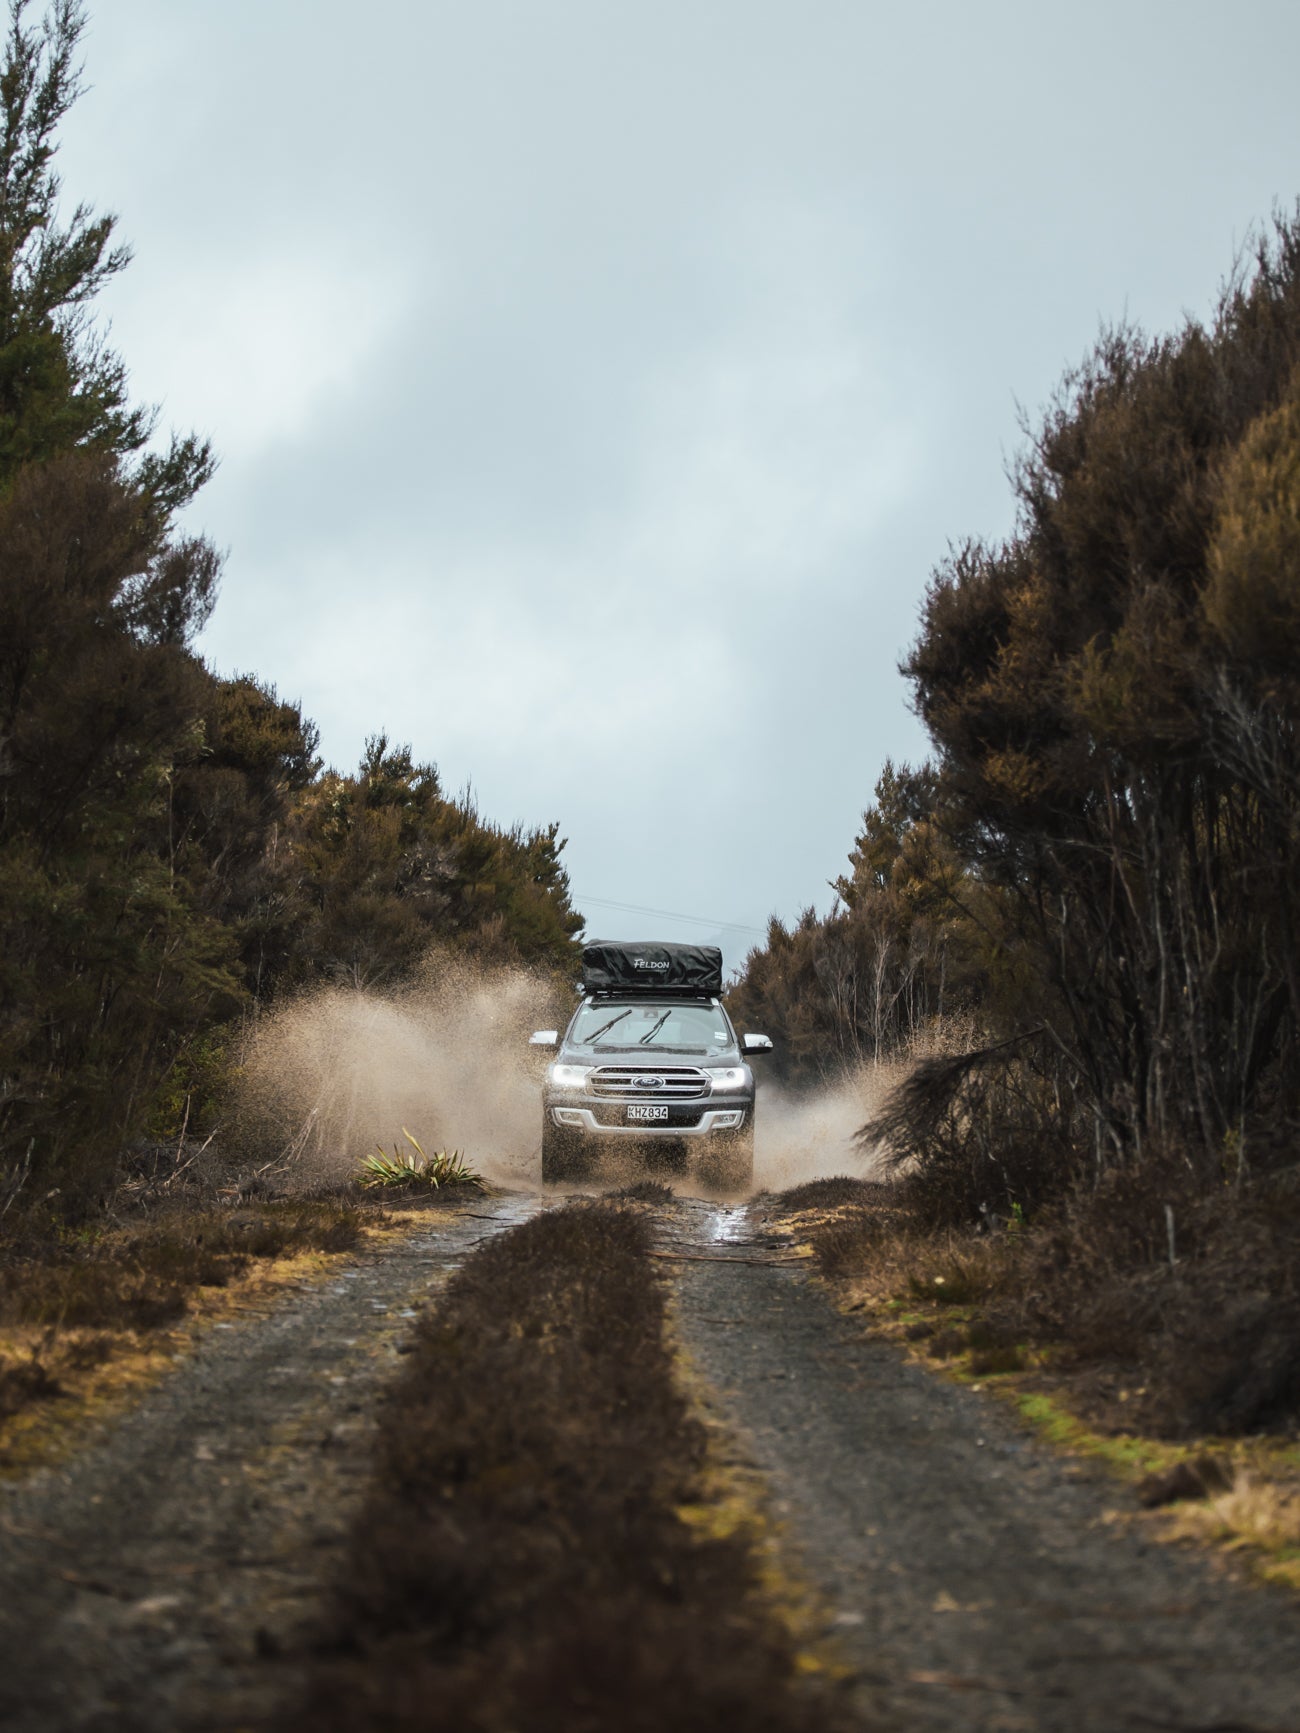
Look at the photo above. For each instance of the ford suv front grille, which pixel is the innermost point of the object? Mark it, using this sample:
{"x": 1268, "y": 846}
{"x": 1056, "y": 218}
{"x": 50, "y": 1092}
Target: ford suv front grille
{"x": 667, "y": 1083}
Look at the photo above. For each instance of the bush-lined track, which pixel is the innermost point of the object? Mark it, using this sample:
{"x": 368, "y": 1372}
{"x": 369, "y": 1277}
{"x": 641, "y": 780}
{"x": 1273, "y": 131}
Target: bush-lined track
{"x": 148, "y": 1583}
{"x": 976, "y": 1580}
{"x": 971, "y": 1579}
{"x": 530, "y": 1554}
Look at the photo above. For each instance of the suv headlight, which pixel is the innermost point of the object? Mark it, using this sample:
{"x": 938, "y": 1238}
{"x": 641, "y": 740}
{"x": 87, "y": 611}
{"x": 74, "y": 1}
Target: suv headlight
{"x": 728, "y": 1077}
{"x": 568, "y": 1076}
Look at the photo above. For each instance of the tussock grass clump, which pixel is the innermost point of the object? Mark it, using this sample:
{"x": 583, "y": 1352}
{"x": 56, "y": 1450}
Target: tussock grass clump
{"x": 829, "y": 1193}
{"x": 23, "y": 1382}
{"x": 848, "y": 1243}
{"x": 644, "y": 1191}
{"x": 855, "y": 1233}
{"x": 521, "y": 1560}
{"x": 413, "y": 1168}
{"x": 1249, "y": 1510}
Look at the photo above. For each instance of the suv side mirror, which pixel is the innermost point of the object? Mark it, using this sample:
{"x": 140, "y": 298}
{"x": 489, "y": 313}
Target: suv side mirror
{"x": 756, "y": 1043}
{"x": 547, "y": 1038}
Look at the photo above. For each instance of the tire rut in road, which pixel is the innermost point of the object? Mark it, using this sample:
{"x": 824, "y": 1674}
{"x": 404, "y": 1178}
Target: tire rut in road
{"x": 144, "y": 1583}
{"x": 974, "y": 1579}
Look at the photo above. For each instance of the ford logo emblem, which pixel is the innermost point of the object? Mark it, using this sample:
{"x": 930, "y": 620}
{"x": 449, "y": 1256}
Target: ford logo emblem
{"x": 649, "y": 1082}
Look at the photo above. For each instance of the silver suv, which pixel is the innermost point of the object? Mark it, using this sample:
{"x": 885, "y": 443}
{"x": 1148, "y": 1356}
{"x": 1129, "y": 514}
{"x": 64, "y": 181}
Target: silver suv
{"x": 650, "y": 1070}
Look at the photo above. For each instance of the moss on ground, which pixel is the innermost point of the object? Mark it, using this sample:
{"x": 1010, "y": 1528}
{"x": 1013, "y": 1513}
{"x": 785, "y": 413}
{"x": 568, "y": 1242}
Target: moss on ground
{"x": 733, "y": 1500}
{"x": 935, "y": 1297}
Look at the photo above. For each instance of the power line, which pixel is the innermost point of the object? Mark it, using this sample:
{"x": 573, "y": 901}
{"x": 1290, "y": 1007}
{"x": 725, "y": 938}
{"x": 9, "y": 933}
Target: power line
{"x": 669, "y": 915}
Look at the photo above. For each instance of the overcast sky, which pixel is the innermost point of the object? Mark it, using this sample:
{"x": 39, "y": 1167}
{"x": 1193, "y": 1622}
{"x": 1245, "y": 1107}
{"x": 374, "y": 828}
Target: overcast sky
{"x": 597, "y": 384}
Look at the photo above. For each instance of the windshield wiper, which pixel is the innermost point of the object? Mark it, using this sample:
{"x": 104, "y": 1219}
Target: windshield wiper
{"x": 606, "y": 1027}
{"x": 651, "y": 1033}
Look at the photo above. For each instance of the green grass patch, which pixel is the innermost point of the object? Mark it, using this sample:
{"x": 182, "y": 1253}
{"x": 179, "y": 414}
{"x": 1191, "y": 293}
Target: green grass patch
{"x": 414, "y": 1170}
{"x": 1128, "y": 1455}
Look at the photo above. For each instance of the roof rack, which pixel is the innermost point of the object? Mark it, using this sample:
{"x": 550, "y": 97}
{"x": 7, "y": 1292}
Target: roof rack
{"x": 684, "y": 995}
{"x": 652, "y": 966}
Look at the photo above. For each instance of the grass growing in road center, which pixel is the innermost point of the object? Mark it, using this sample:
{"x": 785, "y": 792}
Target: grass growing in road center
{"x": 523, "y": 1560}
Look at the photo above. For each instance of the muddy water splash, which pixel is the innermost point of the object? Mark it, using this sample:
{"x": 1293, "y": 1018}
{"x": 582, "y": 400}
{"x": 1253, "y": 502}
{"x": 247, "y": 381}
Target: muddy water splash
{"x": 332, "y": 1073}
{"x": 803, "y": 1137}
{"x": 812, "y": 1136}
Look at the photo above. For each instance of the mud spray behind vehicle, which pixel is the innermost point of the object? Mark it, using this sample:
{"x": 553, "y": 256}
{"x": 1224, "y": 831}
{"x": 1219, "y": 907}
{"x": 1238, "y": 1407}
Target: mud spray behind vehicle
{"x": 651, "y": 1069}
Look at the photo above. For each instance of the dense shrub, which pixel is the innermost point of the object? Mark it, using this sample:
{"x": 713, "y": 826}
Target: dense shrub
{"x": 1098, "y": 869}
{"x": 172, "y": 852}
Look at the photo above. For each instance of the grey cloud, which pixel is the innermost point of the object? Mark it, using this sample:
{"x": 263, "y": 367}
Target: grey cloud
{"x": 673, "y": 341}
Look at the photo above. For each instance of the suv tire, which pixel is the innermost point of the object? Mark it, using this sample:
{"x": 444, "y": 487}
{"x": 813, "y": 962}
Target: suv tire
{"x": 563, "y": 1157}
{"x": 729, "y": 1163}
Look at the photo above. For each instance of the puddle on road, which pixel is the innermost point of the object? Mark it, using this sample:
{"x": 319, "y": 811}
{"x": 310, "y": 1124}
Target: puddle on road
{"x": 455, "y": 1238}
{"x": 518, "y": 1207}
{"x": 727, "y": 1226}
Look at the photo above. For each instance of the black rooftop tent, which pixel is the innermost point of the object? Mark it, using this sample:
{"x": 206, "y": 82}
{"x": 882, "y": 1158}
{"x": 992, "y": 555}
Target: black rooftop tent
{"x": 621, "y": 966}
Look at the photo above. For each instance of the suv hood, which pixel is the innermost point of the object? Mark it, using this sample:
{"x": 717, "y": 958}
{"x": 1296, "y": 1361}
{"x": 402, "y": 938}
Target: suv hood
{"x": 645, "y": 1059}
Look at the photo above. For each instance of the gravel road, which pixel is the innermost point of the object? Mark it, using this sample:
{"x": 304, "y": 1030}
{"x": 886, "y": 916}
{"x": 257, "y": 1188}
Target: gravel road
{"x": 975, "y": 1580}
{"x": 163, "y": 1580}
{"x": 150, "y": 1584}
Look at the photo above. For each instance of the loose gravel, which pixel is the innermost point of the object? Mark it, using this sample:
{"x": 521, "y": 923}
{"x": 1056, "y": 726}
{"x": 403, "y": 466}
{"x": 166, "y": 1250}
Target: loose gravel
{"x": 166, "y": 1579}
{"x": 973, "y": 1579}
{"x": 153, "y": 1583}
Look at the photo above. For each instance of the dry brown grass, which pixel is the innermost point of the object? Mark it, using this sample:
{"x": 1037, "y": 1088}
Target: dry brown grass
{"x": 1261, "y": 1512}
{"x": 832, "y": 1193}
{"x": 139, "y": 1278}
{"x": 1105, "y": 1347}
{"x": 1208, "y": 1343}
{"x": 522, "y": 1560}
{"x": 71, "y": 1302}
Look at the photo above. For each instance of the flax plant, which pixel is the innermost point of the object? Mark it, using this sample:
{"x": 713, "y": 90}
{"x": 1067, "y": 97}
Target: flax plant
{"x": 412, "y": 1167}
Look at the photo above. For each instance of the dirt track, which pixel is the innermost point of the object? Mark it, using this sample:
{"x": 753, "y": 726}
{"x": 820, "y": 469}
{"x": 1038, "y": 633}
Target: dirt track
{"x": 162, "y": 1579}
{"x": 975, "y": 1580}
{"x": 152, "y": 1583}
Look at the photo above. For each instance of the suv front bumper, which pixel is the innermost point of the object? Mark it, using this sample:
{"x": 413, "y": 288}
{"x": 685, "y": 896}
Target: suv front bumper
{"x": 571, "y": 1117}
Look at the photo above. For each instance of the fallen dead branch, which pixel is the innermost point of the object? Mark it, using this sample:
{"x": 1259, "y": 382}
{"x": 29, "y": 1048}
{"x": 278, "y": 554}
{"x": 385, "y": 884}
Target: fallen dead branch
{"x": 711, "y": 1258}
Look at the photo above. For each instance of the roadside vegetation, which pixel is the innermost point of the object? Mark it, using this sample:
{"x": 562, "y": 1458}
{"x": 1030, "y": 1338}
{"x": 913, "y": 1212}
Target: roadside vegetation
{"x": 531, "y": 1552}
{"x": 1076, "y": 925}
{"x": 1123, "y": 1369}
{"x": 175, "y": 860}
{"x": 174, "y": 857}
{"x": 411, "y": 1169}
{"x": 85, "y": 1311}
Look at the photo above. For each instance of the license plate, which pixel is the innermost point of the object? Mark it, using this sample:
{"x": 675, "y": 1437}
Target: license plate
{"x": 641, "y": 1113}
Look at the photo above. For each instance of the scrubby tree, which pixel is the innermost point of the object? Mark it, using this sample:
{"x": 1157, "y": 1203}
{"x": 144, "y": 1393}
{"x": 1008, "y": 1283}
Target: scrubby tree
{"x": 1103, "y": 858}
{"x": 388, "y": 864}
{"x": 1112, "y": 703}
{"x": 863, "y": 983}
{"x": 171, "y": 852}
{"x": 61, "y": 386}
{"x": 105, "y": 960}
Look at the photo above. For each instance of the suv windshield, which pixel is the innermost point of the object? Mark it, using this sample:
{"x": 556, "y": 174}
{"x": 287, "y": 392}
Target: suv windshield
{"x": 699, "y": 1028}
